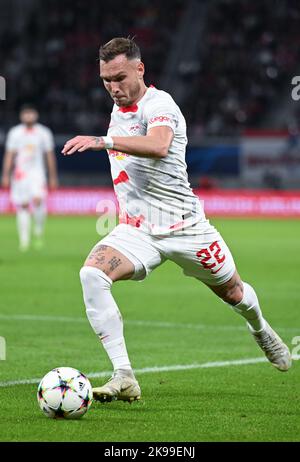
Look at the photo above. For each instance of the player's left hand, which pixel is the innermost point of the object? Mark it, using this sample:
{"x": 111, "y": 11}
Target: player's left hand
{"x": 83, "y": 143}
{"x": 53, "y": 183}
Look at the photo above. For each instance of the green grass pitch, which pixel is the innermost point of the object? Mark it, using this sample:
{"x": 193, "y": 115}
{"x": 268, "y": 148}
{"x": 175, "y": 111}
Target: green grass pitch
{"x": 170, "y": 321}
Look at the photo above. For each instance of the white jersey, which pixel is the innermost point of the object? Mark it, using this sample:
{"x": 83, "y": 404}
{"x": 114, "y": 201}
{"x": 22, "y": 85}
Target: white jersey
{"x": 153, "y": 194}
{"x": 30, "y": 145}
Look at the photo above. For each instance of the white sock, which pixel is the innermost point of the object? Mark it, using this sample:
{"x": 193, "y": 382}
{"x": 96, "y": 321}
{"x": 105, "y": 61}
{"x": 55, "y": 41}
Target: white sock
{"x": 104, "y": 315}
{"x": 39, "y": 215}
{"x": 23, "y": 225}
{"x": 249, "y": 308}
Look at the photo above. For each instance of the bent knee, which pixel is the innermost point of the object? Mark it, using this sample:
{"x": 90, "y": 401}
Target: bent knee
{"x": 37, "y": 201}
{"x": 91, "y": 276}
{"x": 85, "y": 274}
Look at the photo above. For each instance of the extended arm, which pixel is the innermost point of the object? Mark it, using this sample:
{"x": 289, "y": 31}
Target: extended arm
{"x": 155, "y": 144}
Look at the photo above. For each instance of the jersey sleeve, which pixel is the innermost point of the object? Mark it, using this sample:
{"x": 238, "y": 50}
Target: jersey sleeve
{"x": 48, "y": 140}
{"x": 161, "y": 113}
{"x": 11, "y": 140}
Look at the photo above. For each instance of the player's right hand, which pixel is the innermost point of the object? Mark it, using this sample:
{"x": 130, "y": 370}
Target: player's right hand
{"x": 83, "y": 143}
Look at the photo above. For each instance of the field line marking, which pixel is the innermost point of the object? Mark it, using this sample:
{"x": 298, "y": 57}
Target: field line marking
{"x": 45, "y": 318}
{"x": 147, "y": 370}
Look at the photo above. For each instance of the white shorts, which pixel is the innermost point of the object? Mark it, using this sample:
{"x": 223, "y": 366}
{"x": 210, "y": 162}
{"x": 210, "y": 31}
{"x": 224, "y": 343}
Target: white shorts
{"x": 200, "y": 252}
{"x": 23, "y": 191}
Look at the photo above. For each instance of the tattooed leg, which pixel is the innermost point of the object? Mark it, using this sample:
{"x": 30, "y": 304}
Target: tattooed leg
{"x": 112, "y": 262}
{"x": 103, "y": 266}
{"x": 98, "y": 254}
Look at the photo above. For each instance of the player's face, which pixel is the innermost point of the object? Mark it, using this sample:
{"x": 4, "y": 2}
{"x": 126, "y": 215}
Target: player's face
{"x": 29, "y": 116}
{"x": 123, "y": 79}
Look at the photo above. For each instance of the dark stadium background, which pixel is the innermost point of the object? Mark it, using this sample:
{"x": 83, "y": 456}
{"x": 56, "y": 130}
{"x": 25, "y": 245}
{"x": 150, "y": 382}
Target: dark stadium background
{"x": 228, "y": 64}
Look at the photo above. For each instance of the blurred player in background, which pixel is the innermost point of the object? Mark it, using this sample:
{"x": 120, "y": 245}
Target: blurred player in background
{"x": 160, "y": 217}
{"x": 28, "y": 145}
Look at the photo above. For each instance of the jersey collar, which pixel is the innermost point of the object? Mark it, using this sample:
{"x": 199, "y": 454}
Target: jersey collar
{"x": 132, "y": 108}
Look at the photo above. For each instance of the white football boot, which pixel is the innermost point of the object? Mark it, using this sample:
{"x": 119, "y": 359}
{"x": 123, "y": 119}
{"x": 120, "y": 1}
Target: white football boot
{"x": 274, "y": 348}
{"x": 121, "y": 386}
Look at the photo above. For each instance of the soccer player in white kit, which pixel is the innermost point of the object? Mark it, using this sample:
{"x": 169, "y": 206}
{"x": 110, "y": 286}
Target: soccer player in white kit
{"x": 29, "y": 146}
{"x": 160, "y": 217}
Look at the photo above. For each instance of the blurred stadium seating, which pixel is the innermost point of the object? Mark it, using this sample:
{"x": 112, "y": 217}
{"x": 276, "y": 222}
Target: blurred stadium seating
{"x": 249, "y": 52}
{"x": 52, "y": 61}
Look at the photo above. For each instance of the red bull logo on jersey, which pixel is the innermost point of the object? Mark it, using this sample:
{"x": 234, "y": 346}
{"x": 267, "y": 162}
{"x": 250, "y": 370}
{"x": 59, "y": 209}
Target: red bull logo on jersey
{"x": 117, "y": 154}
{"x": 121, "y": 178}
{"x": 19, "y": 174}
{"x": 30, "y": 148}
{"x": 134, "y": 129}
{"x": 135, "y": 221}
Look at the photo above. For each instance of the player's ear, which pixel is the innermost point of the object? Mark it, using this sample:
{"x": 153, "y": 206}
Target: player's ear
{"x": 140, "y": 69}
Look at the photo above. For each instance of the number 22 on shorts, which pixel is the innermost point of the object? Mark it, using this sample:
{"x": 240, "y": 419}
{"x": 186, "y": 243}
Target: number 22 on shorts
{"x": 211, "y": 253}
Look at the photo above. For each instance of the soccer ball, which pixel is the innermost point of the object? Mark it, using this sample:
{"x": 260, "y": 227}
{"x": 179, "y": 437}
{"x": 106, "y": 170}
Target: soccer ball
{"x": 64, "y": 393}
